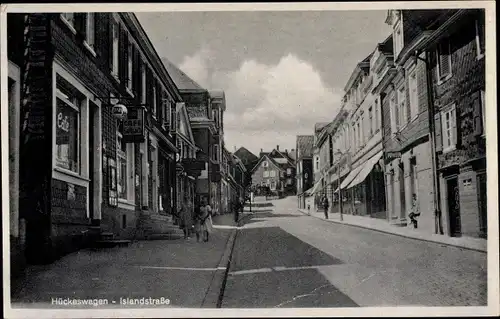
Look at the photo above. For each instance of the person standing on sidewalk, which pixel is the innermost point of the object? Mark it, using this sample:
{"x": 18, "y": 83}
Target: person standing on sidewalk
{"x": 186, "y": 215}
{"x": 326, "y": 205}
{"x": 415, "y": 211}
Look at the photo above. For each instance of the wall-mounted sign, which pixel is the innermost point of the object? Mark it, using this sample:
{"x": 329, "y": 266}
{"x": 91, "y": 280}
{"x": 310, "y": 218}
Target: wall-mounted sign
{"x": 393, "y": 154}
{"x": 134, "y": 125}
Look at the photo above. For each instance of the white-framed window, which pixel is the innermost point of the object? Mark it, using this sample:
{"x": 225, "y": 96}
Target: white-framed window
{"x": 289, "y": 171}
{"x": 143, "y": 84}
{"x": 68, "y": 127}
{"x": 480, "y": 34}
{"x": 394, "y": 113}
{"x": 69, "y": 19}
{"x": 413, "y": 88}
{"x": 265, "y": 174}
{"x": 272, "y": 173}
{"x": 402, "y": 107}
{"x": 449, "y": 128}
{"x": 115, "y": 48}
{"x": 444, "y": 60}
{"x": 154, "y": 100}
{"x": 90, "y": 30}
{"x": 130, "y": 67}
{"x": 398, "y": 37}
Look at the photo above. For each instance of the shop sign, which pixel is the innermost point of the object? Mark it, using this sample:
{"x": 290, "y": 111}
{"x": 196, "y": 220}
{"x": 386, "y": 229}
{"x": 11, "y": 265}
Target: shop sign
{"x": 134, "y": 125}
{"x": 393, "y": 155}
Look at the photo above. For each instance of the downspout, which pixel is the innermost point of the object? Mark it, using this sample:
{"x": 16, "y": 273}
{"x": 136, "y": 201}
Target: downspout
{"x": 432, "y": 138}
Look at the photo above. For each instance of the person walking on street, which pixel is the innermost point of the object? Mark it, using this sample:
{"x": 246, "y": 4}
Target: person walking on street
{"x": 186, "y": 217}
{"x": 326, "y": 205}
{"x": 203, "y": 222}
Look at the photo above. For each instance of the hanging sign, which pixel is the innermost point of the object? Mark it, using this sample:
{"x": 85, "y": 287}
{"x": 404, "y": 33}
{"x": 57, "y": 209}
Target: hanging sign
{"x": 134, "y": 125}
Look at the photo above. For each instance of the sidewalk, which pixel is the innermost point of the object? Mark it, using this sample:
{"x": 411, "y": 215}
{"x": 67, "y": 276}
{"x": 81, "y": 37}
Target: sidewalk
{"x": 183, "y": 271}
{"x": 382, "y": 225}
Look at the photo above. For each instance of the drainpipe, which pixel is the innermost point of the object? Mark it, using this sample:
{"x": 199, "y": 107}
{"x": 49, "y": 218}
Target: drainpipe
{"x": 432, "y": 138}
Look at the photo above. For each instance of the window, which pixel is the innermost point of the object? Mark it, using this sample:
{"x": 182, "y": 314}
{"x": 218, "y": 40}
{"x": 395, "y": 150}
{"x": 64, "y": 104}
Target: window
{"x": 67, "y": 128}
{"x": 115, "y": 48}
{"x": 480, "y": 31}
{"x": 398, "y": 38}
{"x": 370, "y": 119}
{"x": 154, "y": 101}
{"x": 143, "y": 84}
{"x": 413, "y": 176}
{"x": 266, "y": 174}
{"x": 394, "y": 114}
{"x": 165, "y": 103}
{"x": 317, "y": 163}
{"x": 273, "y": 185}
{"x": 272, "y": 173}
{"x": 265, "y": 164}
{"x": 90, "y": 29}
{"x": 401, "y": 107}
{"x": 444, "y": 60}
{"x": 448, "y": 118}
{"x": 130, "y": 67}
{"x": 69, "y": 19}
{"x": 121, "y": 161}
{"x": 359, "y": 142}
{"x": 412, "y": 83}
{"x": 216, "y": 153}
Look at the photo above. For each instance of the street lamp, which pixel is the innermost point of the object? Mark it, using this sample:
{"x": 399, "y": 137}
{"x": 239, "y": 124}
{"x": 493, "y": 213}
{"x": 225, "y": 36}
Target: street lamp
{"x": 341, "y": 154}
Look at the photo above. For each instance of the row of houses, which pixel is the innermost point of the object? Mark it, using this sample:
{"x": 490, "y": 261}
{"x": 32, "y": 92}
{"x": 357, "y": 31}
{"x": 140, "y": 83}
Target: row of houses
{"x": 410, "y": 131}
{"x": 105, "y": 136}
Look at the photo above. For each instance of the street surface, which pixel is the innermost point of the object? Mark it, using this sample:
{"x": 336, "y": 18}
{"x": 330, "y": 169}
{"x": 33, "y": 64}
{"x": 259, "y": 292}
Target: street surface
{"x": 283, "y": 258}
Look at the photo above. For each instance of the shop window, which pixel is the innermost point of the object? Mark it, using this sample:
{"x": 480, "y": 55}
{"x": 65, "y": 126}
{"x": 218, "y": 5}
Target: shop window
{"x": 68, "y": 128}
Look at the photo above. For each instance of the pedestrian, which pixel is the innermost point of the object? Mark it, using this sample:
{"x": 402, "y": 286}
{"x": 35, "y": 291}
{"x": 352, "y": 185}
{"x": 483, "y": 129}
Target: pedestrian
{"x": 186, "y": 217}
{"x": 200, "y": 221}
{"x": 326, "y": 205}
{"x": 415, "y": 211}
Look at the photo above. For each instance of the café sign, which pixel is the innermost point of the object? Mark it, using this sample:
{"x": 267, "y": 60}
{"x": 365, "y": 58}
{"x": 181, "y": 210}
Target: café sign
{"x": 134, "y": 125}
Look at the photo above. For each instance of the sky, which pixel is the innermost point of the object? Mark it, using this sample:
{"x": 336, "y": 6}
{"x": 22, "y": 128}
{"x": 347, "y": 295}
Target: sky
{"x": 281, "y": 71}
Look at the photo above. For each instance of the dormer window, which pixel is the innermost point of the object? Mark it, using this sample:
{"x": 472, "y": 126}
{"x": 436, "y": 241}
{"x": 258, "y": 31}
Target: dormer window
{"x": 398, "y": 37}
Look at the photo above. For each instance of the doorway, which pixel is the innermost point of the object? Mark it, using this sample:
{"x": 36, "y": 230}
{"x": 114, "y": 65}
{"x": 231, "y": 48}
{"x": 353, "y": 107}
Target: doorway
{"x": 453, "y": 201}
{"x": 402, "y": 194}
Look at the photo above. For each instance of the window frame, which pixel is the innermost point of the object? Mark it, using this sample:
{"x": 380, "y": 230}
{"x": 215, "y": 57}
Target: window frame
{"x": 78, "y": 109}
{"x": 444, "y": 77}
{"x": 413, "y": 92}
{"x": 154, "y": 101}
{"x": 451, "y": 109}
{"x": 115, "y": 49}
{"x": 70, "y": 23}
{"x": 479, "y": 53}
{"x": 265, "y": 174}
{"x": 370, "y": 120}
{"x": 143, "y": 82}
{"x": 401, "y": 104}
{"x": 398, "y": 37}
{"x": 89, "y": 41}
{"x": 130, "y": 68}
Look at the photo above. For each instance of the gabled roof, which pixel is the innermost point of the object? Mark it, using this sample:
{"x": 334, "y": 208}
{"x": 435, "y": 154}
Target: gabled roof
{"x": 305, "y": 145}
{"x": 268, "y": 158}
{"x": 245, "y": 155}
{"x": 319, "y": 126}
{"x": 184, "y": 119}
{"x": 285, "y": 156}
{"x": 181, "y": 79}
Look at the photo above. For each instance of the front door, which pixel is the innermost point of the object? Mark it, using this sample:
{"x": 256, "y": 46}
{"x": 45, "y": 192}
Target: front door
{"x": 454, "y": 207}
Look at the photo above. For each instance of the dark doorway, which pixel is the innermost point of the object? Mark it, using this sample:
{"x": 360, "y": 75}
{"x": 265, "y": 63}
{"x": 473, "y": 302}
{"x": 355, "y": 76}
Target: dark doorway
{"x": 483, "y": 209}
{"x": 454, "y": 207}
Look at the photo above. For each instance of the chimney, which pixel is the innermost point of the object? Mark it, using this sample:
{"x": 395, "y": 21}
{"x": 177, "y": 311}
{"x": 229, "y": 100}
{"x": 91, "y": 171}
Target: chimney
{"x": 261, "y": 151}
{"x": 286, "y": 151}
{"x": 277, "y": 147}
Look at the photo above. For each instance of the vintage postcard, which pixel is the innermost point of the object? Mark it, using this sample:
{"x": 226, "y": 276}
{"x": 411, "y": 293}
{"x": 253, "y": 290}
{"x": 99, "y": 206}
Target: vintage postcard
{"x": 249, "y": 159}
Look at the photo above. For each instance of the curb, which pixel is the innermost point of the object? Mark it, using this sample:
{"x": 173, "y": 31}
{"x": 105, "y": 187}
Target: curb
{"x": 396, "y": 234}
{"x": 215, "y": 291}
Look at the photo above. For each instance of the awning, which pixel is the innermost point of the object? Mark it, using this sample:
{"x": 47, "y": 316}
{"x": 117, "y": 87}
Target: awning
{"x": 351, "y": 176}
{"x": 316, "y": 188}
{"x": 367, "y": 168}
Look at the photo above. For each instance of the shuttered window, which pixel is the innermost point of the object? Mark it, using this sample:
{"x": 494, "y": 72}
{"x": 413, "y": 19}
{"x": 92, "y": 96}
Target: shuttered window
{"x": 444, "y": 59}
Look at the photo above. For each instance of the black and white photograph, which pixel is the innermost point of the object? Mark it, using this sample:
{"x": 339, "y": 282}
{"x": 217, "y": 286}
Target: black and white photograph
{"x": 249, "y": 159}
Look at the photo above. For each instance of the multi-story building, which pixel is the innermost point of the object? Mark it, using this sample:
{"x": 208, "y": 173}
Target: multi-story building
{"x": 304, "y": 147}
{"x": 218, "y": 105}
{"x": 82, "y": 166}
{"x": 201, "y": 117}
{"x": 275, "y": 170}
{"x": 365, "y": 181}
{"x": 317, "y": 190}
{"x": 237, "y": 176}
{"x": 456, "y": 51}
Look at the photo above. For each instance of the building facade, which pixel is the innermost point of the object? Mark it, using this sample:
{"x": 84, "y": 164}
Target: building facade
{"x": 304, "y": 147}
{"x": 84, "y": 171}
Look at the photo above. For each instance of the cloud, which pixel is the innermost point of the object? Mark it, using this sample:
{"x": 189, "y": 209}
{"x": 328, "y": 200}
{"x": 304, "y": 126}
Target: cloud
{"x": 267, "y": 105}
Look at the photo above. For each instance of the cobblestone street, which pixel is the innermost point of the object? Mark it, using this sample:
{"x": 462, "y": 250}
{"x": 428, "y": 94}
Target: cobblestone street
{"x": 283, "y": 258}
